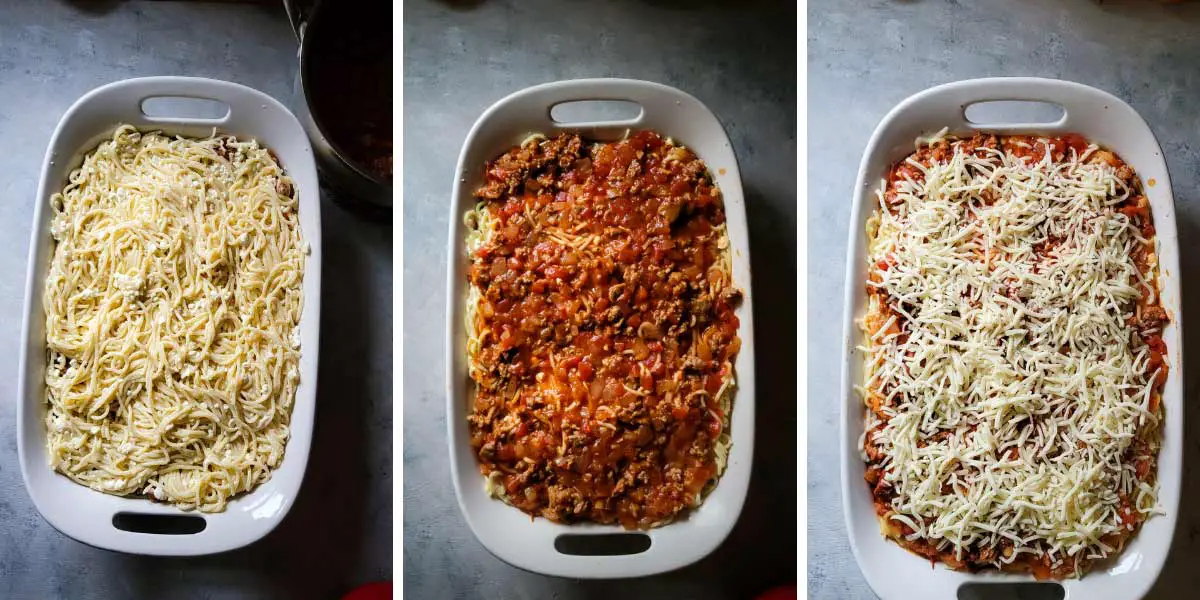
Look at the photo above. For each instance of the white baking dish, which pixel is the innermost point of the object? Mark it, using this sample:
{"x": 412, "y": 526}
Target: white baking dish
{"x": 88, "y": 515}
{"x": 1101, "y": 118}
{"x": 505, "y": 531}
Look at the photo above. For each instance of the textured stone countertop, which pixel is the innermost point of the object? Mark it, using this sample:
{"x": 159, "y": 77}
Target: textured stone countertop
{"x": 864, "y": 57}
{"x": 338, "y": 534}
{"x": 460, "y": 57}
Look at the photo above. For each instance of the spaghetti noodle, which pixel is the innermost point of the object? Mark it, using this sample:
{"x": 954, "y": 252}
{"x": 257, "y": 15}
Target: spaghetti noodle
{"x": 172, "y": 304}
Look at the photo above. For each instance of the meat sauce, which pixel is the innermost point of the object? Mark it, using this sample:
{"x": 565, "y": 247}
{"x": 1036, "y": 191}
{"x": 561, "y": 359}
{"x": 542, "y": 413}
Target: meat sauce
{"x": 608, "y": 328}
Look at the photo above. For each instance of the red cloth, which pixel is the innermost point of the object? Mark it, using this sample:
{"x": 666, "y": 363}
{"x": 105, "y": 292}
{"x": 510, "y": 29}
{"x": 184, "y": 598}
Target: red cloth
{"x": 787, "y": 592}
{"x": 381, "y": 590}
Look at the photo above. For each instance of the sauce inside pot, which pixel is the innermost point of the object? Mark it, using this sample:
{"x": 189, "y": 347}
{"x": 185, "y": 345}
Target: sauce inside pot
{"x": 350, "y": 82}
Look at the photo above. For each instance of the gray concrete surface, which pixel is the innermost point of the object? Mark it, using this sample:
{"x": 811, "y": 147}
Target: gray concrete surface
{"x": 864, "y": 57}
{"x": 338, "y": 534}
{"x": 460, "y": 57}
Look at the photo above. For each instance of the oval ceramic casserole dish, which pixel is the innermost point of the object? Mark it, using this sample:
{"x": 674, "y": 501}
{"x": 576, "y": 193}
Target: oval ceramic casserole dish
{"x": 1102, "y": 119}
{"x": 504, "y": 530}
{"x": 88, "y": 515}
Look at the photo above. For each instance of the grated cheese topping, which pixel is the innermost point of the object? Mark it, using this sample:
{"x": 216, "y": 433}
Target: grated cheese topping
{"x": 1006, "y": 382}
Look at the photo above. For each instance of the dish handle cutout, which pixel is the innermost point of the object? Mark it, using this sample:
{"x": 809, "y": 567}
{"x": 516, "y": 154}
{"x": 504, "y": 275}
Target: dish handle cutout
{"x": 184, "y": 108}
{"x": 159, "y": 524}
{"x": 1011, "y": 591}
{"x": 604, "y": 544}
{"x": 986, "y": 113}
{"x": 596, "y": 112}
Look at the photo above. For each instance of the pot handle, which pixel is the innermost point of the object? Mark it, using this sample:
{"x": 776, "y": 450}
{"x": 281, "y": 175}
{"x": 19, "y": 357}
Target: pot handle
{"x": 297, "y": 18}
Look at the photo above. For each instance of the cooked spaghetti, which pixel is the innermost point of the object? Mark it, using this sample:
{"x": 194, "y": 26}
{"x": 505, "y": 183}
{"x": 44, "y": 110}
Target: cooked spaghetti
{"x": 602, "y": 329}
{"x": 172, "y": 305}
{"x": 1015, "y": 359}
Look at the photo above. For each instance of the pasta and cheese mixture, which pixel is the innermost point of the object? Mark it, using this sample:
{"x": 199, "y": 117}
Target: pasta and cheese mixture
{"x": 172, "y": 305}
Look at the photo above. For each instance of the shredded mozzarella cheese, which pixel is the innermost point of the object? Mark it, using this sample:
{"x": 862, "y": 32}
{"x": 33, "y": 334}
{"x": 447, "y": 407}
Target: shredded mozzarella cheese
{"x": 1015, "y": 385}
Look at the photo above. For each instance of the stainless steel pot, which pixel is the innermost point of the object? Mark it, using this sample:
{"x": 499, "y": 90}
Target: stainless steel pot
{"x": 350, "y": 184}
